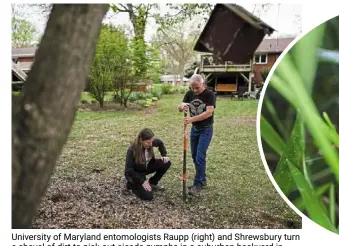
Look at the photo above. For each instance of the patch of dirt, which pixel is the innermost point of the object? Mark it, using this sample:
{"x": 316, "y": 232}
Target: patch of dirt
{"x": 108, "y": 107}
{"x": 244, "y": 121}
{"x": 150, "y": 110}
{"x": 115, "y": 107}
{"x": 93, "y": 201}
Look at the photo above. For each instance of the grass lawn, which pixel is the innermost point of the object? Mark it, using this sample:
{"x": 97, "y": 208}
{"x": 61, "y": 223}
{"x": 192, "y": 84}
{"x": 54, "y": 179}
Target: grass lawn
{"x": 86, "y": 192}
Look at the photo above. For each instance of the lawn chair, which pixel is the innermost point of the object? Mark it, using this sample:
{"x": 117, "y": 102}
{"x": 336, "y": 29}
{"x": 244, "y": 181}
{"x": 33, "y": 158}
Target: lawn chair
{"x": 240, "y": 94}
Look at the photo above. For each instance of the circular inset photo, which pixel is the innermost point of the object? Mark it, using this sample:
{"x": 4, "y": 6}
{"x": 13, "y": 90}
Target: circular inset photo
{"x": 298, "y": 120}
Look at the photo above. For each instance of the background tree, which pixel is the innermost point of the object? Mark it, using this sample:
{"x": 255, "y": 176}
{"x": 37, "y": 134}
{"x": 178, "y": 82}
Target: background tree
{"x": 44, "y": 113}
{"x": 258, "y": 9}
{"x": 140, "y": 14}
{"x": 23, "y": 28}
{"x": 123, "y": 82}
{"x": 177, "y": 45}
{"x": 125, "y": 74}
{"x": 24, "y": 33}
{"x": 179, "y": 13}
{"x": 24, "y": 10}
{"x": 155, "y": 68}
{"x": 110, "y": 57}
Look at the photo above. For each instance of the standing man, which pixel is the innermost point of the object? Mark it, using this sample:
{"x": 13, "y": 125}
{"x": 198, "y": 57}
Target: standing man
{"x": 201, "y": 103}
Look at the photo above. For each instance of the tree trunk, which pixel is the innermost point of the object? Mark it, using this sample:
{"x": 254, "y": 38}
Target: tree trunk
{"x": 43, "y": 117}
{"x": 182, "y": 73}
{"x": 101, "y": 102}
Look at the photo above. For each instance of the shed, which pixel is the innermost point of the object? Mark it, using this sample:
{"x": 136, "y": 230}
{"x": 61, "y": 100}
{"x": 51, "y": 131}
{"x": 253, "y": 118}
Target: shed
{"x": 232, "y": 33}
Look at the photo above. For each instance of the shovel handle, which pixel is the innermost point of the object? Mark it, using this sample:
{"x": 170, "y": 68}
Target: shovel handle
{"x": 184, "y": 191}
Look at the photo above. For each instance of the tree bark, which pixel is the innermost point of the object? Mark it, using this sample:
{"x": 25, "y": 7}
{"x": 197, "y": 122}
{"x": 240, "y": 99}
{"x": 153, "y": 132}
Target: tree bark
{"x": 101, "y": 102}
{"x": 43, "y": 117}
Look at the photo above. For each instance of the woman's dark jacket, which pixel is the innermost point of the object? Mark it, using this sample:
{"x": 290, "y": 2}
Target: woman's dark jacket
{"x": 136, "y": 173}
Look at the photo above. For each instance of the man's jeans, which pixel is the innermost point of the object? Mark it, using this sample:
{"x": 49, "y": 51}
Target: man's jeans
{"x": 200, "y": 140}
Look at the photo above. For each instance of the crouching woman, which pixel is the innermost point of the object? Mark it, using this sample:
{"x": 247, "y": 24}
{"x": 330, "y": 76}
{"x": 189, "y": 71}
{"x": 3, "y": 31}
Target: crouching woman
{"x": 140, "y": 161}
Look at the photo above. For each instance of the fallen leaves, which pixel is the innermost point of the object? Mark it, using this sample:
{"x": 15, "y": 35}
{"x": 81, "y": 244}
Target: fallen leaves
{"x": 86, "y": 189}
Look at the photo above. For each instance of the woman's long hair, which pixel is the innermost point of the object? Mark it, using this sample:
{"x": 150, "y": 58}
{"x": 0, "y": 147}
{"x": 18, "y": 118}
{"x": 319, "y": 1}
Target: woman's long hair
{"x": 144, "y": 134}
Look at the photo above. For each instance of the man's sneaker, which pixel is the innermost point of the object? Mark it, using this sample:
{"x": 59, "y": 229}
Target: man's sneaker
{"x": 158, "y": 187}
{"x": 201, "y": 186}
{"x": 195, "y": 190}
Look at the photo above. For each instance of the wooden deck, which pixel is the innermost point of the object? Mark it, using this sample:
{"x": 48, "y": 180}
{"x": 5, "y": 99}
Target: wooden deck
{"x": 209, "y": 64}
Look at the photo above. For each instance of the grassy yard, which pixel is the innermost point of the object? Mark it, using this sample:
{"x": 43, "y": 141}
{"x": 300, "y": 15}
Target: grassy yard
{"x": 85, "y": 190}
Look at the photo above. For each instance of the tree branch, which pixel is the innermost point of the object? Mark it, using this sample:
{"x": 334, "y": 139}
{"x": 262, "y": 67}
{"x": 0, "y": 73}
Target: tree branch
{"x": 125, "y": 9}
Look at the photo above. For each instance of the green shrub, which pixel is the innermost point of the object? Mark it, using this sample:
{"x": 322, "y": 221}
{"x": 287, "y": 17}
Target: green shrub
{"x": 166, "y": 89}
{"x": 183, "y": 90}
{"x": 156, "y": 94}
{"x": 139, "y": 95}
{"x": 133, "y": 97}
{"x": 148, "y": 96}
{"x": 174, "y": 90}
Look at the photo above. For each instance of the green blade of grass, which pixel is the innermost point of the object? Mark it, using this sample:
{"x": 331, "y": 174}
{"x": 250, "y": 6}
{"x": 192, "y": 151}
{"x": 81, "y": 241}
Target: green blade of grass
{"x": 293, "y": 152}
{"x": 319, "y": 191}
{"x": 332, "y": 203}
{"x": 271, "y": 136}
{"x": 306, "y": 49}
{"x": 305, "y": 170}
{"x": 298, "y": 97}
{"x": 312, "y": 203}
{"x": 284, "y": 89}
{"x": 275, "y": 117}
{"x": 328, "y": 121}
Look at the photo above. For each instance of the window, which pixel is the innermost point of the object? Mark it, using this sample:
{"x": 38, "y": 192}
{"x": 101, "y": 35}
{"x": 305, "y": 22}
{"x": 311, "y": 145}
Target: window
{"x": 260, "y": 59}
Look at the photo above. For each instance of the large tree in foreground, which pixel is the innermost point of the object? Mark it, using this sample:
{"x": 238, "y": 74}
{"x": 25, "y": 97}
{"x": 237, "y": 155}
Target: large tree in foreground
{"x": 44, "y": 113}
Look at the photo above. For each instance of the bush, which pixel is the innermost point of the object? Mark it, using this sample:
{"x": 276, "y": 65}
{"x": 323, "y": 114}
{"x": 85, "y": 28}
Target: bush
{"x": 156, "y": 80}
{"x": 148, "y": 96}
{"x": 167, "y": 89}
{"x": 84, "y": 101}
{"x": 148, "y": 102}
{"x": 183, "y": 90}
{"x": 17, "y": 87}
{"x": 139, "y": 95}
{"x": 174, "y": 89}
{"x": 133, "y": 97}
{"x": 15, "y": 93}
{"x": 145, "y": 103}
{"x": 156, "y": 94}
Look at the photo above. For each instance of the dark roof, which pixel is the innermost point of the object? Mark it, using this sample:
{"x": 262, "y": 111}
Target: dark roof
{"x": 232, "y": 33}
{"x": 23, "y": 52}
{"x": 274, "y": 45}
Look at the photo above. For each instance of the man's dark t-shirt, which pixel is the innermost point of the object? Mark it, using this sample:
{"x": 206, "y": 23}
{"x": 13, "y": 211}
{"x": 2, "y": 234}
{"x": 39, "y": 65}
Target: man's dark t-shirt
{"x": 198, "y": 105}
